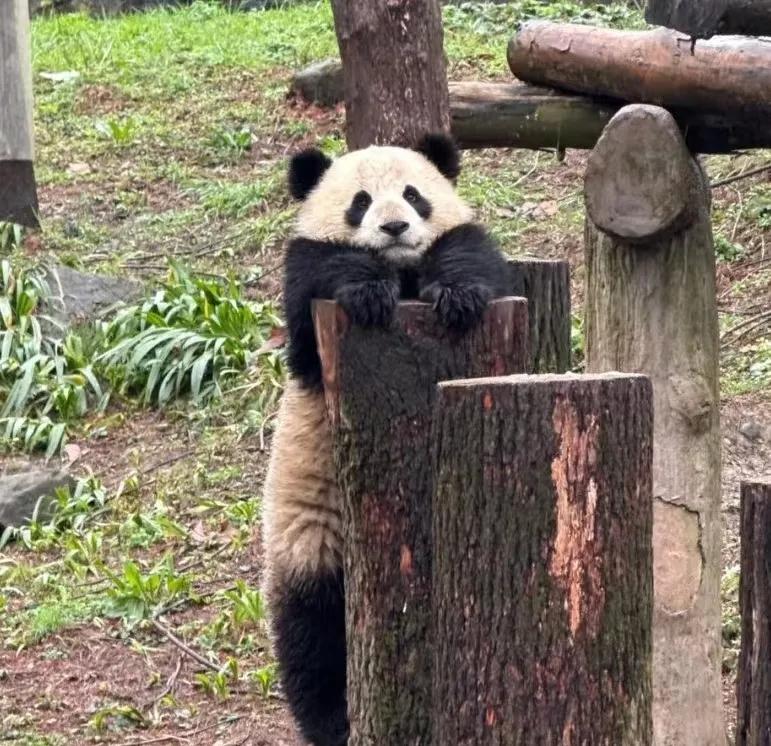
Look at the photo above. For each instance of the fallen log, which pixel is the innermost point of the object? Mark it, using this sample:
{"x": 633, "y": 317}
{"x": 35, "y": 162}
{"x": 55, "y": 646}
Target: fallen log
{"x": 655, "y": 67}
{"x": 514, "y": 115}
{"x": 705, "y": 18}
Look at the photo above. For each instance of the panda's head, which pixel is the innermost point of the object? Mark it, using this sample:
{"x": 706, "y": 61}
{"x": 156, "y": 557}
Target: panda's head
{"x": 394, "y": 201}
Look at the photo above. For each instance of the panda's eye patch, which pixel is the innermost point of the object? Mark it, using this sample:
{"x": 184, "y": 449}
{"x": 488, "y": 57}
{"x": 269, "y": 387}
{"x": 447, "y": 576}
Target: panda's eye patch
{"x": 359, "y": 205}
{"x": 421, "y": 205}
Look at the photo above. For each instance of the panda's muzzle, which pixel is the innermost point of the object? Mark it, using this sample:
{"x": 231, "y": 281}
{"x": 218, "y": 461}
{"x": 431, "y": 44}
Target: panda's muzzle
{"x": 395, "y": 228}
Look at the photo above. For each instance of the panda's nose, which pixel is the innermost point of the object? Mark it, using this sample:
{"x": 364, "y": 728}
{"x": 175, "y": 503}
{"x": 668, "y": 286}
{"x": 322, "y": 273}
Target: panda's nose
{"x": 394, "y": 228}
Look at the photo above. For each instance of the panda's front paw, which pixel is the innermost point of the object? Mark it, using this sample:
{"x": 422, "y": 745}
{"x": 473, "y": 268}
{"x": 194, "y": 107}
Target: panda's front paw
{"x": 369, "y": 303}
{"x": 459, "y": 307}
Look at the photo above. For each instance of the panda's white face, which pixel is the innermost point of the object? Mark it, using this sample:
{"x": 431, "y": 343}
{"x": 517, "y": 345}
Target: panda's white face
{"x": 391, "y": 200}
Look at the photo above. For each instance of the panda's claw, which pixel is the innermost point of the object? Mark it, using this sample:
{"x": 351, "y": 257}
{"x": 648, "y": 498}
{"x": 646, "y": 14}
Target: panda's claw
{"x": 371, "y": 303}
{"x": 459, "y": 307}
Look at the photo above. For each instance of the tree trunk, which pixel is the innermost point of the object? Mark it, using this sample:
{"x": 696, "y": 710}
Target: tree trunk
{"x": 542, "y": 568}
{"x": 651, "y": 308}
{"x": 394, "y": 70}
{"x": 18, "y": 193}
{"x": 380, "y": 388}
{"x": 753, "y": 727}
{"x": 656, "y": 67}
{"x": 545, "y": 283}
{"x": 704, "y": 18}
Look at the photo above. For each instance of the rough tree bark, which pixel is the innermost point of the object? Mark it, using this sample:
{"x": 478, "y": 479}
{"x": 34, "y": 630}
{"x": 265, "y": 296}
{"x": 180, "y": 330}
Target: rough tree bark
{"x": 704, "y": 18}
{"x": 753, "y": 727}
{"x": 656, "y": 67}
{"x": 380, "y": 387}
{"x": 651, "y": 308}
{"x": 18, "y": 192}
{"x": 545, "y": 283}
{"x": 542, "y": 572}
{"x": 394, "y": 70}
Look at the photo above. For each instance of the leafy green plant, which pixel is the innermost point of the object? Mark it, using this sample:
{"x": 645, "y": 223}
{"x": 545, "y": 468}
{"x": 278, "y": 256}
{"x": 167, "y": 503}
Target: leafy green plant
{"x": 266, "y": 679}
{"x": 11, "y": 235}
{"x": 120, "y": 131}
{"x": 728, "y": 251}
{"x": 191, "y": 336}
{"x": 135, "y": 595}
{"x": 45, "y": 382}
{"x": 216, "y": 683}
{"x": 235, "y": 141}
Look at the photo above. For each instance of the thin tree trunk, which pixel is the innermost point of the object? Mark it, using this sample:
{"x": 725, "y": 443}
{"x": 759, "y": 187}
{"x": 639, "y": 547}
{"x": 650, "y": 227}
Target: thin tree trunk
{"x": 656, "y": 67}
{"x": 542, "y": 572}
{"x": 394, "y": 70}
{"x": 707, "y": 17}
{"x": 753, "y": 687}
{"x": 18, "y": 192}
{"x": 545, "y": 283}
{"x": 651, "y": 308}
{"x": 380, "y": 388}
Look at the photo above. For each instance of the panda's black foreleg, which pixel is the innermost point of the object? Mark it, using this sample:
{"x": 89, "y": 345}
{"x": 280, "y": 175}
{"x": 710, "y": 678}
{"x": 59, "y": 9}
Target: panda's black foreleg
{"x": 309, "y": 631}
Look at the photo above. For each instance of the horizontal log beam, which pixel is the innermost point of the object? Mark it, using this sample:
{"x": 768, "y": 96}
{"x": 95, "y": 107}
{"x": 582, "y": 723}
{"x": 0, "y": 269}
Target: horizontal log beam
{"x": 705, "y": 18}
{"x": 515, "y": 115}
{"x": 653, "y": 67}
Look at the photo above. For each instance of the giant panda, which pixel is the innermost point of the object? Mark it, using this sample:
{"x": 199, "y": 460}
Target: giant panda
{"x": 374, "y": 226}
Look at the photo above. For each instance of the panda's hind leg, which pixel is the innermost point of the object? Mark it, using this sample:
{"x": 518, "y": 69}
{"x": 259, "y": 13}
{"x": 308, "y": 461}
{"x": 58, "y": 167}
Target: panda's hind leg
{"x": 303, "y": 579}
{"x": 309, "y": 640}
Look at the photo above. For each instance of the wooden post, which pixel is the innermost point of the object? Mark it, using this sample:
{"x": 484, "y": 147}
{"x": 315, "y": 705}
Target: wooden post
{"x": 394, "y": 70}
{"x": 380, "y": 387}
{"x": 545, "y": 283}
{"x": 651, "y": 308}
{"x": 18, "y": 193}
{"x": 753, "y": 727}
{"x": 703, "y": 18}
{"x": 542, "y": 570}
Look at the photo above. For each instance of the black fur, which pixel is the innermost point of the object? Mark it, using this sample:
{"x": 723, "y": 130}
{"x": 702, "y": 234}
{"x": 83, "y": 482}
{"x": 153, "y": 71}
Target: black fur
{"x": 305, "y": 171}
{"x": 358, "y": 209}
{"x": 442, "y": 151}
{"x": 309, "y": 630}
{"x": 421, "y": 205}
{"x": 459, "y": 274}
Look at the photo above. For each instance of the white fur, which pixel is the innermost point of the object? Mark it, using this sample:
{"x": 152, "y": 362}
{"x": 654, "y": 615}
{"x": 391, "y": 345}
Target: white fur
{"x": 382, "y": 172}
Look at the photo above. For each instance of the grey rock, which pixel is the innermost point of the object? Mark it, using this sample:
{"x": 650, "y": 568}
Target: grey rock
{"x": 81, "y": 297}
{"x": 20, "y": 492}
{"x": 321, "y": 83}
{"x": 751, "y": 430}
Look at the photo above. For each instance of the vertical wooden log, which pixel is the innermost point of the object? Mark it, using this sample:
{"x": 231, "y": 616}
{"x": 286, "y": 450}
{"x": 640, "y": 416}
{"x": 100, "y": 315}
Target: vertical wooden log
{"x": 394, "y": 71}
{"x": 753, "y": 727}
{"x": 18, "y": 193}
{"x": 545, "y": 283}
{"x": 651, "y": 308}
{"x": 542, "y": 572}
{"x": 380, "y": 387}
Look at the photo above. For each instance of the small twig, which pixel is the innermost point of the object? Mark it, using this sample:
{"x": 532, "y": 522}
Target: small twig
{"x": 183, "y": 647}
{"x": 743, "y": 175}
{"x": 171, "y": 681}
{"x": 159, "y": 739}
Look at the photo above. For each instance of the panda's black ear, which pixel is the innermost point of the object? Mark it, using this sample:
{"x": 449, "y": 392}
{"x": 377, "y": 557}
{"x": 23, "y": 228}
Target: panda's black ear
{"x": 442, "y": 151}
{"x": 305, "y": 171}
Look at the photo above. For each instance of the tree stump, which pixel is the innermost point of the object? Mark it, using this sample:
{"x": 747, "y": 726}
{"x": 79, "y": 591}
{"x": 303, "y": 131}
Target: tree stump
{"x": 18, "y": 192}
{"x": 542, "y": 570}
{"x": 545, "y": 284}
{"x": 380, "y": 387}
{"x": 394, "y": 70}
{"x": 651, "y": 308}
{"x": 753, "y": 727}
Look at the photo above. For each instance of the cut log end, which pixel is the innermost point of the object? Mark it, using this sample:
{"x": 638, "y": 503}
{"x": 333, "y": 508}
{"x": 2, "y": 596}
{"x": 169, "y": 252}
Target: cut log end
{"x": 640, "y": 176}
